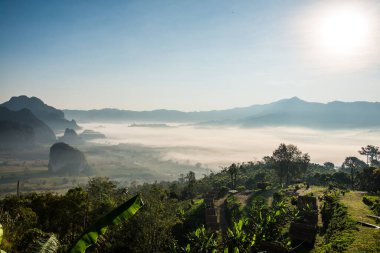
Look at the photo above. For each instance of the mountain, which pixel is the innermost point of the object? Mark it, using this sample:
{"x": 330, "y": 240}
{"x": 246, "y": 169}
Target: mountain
{"x": 71, "y": 137}
{"x": 296, "y": 112}
{"x": 25, "y": 126}
{"x": 285, "y": 112}
{"x": 53, "y": 117}
{"x": 14, "y": 135}
{"x": 67, "y": 160}
{"x": 91, "y": 135}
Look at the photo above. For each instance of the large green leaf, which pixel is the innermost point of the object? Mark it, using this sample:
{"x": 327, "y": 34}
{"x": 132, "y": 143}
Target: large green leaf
{"x": 116, "y": 216}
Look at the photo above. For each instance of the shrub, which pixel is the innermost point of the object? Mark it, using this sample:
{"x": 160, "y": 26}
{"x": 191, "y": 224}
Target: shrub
{"x": 262, "y": 185}
{"x": 370, "y": 200}
{"x": 222, "y": 191}
{"x": 373, "y": 202}
{"x": 233, "y": 210}
{"x": 240, "y": 188}
{"x": 337, "y": 225}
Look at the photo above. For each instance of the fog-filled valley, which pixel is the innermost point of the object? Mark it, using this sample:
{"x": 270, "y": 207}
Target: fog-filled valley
{"x": 141, "y": 147}
{"x": 216, "y": 147}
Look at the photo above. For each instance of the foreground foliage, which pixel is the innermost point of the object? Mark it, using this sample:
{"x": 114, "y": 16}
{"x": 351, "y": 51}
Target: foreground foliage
{"x": 115, "y": 217}
{"x": 337, "y": 224}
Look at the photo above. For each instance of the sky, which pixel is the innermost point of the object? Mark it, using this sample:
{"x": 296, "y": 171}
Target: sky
{"x": 188, "y": 55}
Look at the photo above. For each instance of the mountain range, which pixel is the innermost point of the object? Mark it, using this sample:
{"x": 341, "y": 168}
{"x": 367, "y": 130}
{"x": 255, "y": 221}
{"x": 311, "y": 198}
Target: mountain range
{"x": 286, "y": 112}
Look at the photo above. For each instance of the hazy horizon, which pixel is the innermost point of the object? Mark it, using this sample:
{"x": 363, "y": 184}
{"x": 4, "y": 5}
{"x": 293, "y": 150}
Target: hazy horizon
{"x": 176, "y": 109}
{"x": 221, "y": 146}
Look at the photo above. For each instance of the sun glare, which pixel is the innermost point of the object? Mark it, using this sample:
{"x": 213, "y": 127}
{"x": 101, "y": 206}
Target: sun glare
{"x": 344, "y": 31}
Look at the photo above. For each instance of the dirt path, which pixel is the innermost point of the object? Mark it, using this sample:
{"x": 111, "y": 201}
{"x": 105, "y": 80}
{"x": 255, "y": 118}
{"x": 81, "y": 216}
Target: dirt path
{"x": 221, "y": 213}
{"x": 242, "y": 198}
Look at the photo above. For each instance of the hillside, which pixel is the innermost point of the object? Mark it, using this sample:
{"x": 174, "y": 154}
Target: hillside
{"x": 26, "y": 126}
{"x": 53, "y": 117}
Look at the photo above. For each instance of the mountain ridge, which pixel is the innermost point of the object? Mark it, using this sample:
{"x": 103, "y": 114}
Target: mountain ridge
{"x": 292, "y": 111}
{"x": 53, "y": 117}
{"x": 25, "y": 119}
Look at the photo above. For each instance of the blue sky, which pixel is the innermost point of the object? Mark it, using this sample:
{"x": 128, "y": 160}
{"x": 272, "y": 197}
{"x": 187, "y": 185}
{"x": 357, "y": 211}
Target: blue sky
{"x": 187, "y": 55}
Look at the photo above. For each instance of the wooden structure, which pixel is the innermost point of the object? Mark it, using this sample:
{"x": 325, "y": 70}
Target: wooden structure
{"x": 302, "y": 232}
{"x": 305, "y": 229}
{"x": 271, "y": 247}
{"x": 210, "y": 212}
{"x": 366, "y": 224}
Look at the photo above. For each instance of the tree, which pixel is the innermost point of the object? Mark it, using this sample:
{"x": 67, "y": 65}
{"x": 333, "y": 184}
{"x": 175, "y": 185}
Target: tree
{"x": 149, "y": 231}
{"x": 101, "y": 197}
{"x": 232, "y": 170}
{"x": 123, "y": 212}
{"x": 353, "y": 166}
{"x": 189, "y": 191}
{"x": 371, "y": 152}
{"x": 329, "y": 165}
{"x": 369, "y": 179}
{"x": 289, "y": 162}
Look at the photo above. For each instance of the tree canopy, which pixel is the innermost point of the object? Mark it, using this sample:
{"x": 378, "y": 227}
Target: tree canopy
{"x": 289, "y": 162}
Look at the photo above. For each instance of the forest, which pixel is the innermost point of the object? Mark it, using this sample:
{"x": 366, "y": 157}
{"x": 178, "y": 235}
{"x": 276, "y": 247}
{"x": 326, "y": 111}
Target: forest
{"x": 282, "y": 203}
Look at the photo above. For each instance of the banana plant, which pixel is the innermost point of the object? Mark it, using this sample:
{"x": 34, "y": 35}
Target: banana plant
{"x": 237, "y": 239}
{"x": 116, "y": 216}
{"x": 201, "y": 241}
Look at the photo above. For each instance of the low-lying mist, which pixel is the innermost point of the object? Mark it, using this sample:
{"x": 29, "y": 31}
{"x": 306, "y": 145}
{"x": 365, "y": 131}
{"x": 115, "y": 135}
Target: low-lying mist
{"x": 220, "y": 146}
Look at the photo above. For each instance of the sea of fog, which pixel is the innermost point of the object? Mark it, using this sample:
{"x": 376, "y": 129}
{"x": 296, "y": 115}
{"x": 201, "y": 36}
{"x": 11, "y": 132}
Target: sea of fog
{"x": 220, "y": 146}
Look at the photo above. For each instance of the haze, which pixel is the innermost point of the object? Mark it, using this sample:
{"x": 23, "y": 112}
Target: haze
{"x": 220, "y": 146}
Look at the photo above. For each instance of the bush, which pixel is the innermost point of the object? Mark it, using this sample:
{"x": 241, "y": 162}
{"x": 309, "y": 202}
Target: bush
{"x": 337, "y": 225}
{"x": 233, "y": 210}
{"x": 240, "y": 188}
{"x": 262, "y": 185}
{"x": 293, "y": 201}
{"x": 370, "y": 200}
{"x": 223, "y": 191}
{"x": 277, "y": 196}
{"x": 373, "y": 202}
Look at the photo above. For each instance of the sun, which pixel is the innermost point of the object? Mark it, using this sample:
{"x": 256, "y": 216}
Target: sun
{"x": 343, "y": 31}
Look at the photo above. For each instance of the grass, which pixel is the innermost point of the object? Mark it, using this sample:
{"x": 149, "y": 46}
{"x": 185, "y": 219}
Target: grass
{"x": 366, "y": 239}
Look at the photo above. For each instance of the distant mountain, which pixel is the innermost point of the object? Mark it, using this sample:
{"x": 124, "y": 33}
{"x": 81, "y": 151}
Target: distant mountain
{"x": 297, "y": 112}
{"x": 91, "y": 135}
{"x": 24, "y": 126}
{"x": 286, "y": 112}
{"x": 71, "y": 137}
{"x": 53, "y": 117}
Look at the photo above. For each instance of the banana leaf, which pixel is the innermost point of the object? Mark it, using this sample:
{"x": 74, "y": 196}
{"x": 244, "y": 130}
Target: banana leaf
{"x": 116, "y": 216}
